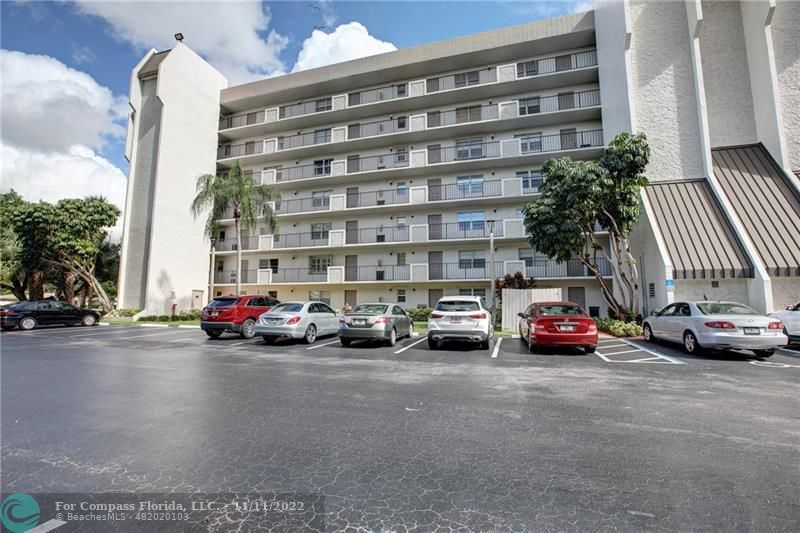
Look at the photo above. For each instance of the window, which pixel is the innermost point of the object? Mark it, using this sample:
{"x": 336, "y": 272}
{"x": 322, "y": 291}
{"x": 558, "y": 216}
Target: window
{"x": 256, "y": 302}
{"x": 222, "y": 235}
{"x": 401, "y": 296}
{"x": 401, "y": 156}
{"x": 401, "y": 89}
{"x": 532, "y": 257}
{"x": 471, "y": 259}
{"x": 470, "y": 185}
{"x": 469, "y": 148}
{"x": 271, "y": 264}
{"x": 651, "y": 290}
{"x": 321, "y": 296}
{"x": 715, "y": 308}
{"x": 318, "y": 264}
{"x": 473, "y": 292}
{"x": 220, "y": 266}
{"x": 320, "y": 230}
{"x": 402, "y": 188}
{"x": 322, "y": 136}
{"x": 529, "y": 106}
{"x": 401, "y": 221}
{"x": 322, "y": 167}
{"x": 468, "y": 114}
{"x": 468, "y": 220}
{"x": 531, "y": 180}
{"x": 519, "y": 212}
{"x": 466, "y": 79}
{"x": 321, "y": 198}
{"x": 528, "y": 68}
{"x": 323, "y": 104}
{"x": 457, "y": 306}
{"x": 530, "y": 142}
{"x": 401, "y": 258}
{"x": 401, "y": 123}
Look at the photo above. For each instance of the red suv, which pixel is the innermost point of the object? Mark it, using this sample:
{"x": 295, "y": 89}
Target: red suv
{"x": 238, "y": 314}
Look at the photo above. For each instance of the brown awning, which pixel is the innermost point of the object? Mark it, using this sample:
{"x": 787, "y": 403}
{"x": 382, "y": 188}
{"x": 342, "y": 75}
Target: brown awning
{"x": 765, "y": 201}
{"x": 699, "y": 239}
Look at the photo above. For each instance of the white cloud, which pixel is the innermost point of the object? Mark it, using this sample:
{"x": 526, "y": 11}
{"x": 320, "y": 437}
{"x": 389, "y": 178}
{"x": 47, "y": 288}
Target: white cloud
{"x": 232, "y": 36}
{"x": 54, "y": 121}
{"x": 82, "y": 54}
{"x": 346, "y": 42}
{"x": 48, "y": 106}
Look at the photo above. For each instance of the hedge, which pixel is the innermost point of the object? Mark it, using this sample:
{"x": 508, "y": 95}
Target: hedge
{"x": 419, "y": 314}
{"x": 618, "y": 328}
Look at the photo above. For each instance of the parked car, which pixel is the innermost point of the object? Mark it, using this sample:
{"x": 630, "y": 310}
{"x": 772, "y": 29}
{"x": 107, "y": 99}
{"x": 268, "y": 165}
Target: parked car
{"x": 379, "y": 321}
{"x": 463, "y": 318}
{"x": 715, "y": 325}
{"x": 557, "y": 324}
{"x": 298, "y": 320}
{"x": 27, "y": 315}
{"x": 791, "y": 322}
{"x": 237, "y": 314}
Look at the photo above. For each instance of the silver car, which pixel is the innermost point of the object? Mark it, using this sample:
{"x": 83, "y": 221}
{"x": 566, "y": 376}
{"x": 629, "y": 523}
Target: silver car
{"x": 715, "y": 325}
{"x": 298, "y": 320}
{"x": 379, "y": 321}
{"x": 791, "y": 322}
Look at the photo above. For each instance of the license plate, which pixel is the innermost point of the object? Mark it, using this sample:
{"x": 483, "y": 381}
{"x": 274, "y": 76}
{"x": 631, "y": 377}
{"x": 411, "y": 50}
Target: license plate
{"x": 214, "y": 313}
{"x": 359, "y": 322}
{"x": 273, "y": 320}
{"x": 455, "y": 320}
{"x": 567, "y": 328}
{"x": 752, "y": 331}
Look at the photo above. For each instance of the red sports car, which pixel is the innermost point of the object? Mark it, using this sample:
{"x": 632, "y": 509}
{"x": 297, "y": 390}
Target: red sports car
{"x": 557, "y": 324}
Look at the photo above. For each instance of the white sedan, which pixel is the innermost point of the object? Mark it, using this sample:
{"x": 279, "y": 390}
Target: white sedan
{"x": 791, "y": 322}
{"x": 715, "y": 325}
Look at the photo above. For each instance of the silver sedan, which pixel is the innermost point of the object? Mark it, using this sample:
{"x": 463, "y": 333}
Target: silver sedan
{"x": 715, "y": 325}
{"x": 298, "y": 320}
{"x": 379, "y": 321}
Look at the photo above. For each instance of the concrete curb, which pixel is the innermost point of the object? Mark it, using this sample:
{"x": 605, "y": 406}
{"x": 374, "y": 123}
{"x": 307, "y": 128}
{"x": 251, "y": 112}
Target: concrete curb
{"x": 185, "y": 326}
{"x": 153, "y": 325}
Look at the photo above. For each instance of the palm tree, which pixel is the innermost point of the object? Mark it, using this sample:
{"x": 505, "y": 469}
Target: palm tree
{"x": 236, "y": 190}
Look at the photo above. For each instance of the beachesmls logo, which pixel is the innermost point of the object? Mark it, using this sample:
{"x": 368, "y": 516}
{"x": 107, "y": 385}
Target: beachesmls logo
{"x": 20, "y": 512}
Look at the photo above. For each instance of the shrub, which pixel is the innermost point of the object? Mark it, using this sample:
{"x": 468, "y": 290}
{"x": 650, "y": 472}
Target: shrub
{"x": 618, "y": 328}
{"x": 127, "y": 312}
{"x": 419, "y": 314}
{"x": 191, "y": 314}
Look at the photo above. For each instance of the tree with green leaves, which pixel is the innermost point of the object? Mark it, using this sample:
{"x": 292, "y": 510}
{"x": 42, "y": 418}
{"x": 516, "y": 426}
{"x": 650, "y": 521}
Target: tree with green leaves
{"x": 13, "y": 275}
{"x": 236, "y": 191}
{"x": 579, "y": 199}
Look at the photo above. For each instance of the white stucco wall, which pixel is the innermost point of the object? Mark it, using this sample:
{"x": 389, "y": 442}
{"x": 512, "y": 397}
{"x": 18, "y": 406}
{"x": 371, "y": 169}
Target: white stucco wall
{"x": 785, "y": 39}
{"x": 729, "y": 101}
{"x": 663, "y": 90}
{"x": 785, "y": 291}
{"x": 729, "y": 289}
{"x": 188, "y": 88}
{"x": 611, "y": 30}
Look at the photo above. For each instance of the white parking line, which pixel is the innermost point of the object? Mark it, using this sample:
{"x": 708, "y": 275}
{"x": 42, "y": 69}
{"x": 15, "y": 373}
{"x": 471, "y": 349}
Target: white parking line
{"x": 403, "y": 349}
{"x": 611, "y": 345}
{"x": 496, "y": 347}
{"x": 50, "y": 525}
{"x": 96, "y": 333}
{"x": 321, "y": 345}
{"x": 651, "y": 352}
{"x": 624, "y": 351}
{"x": 149, "y": 335}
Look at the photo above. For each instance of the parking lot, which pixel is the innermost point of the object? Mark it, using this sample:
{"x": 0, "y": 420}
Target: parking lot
{"x": 634, "y": 437}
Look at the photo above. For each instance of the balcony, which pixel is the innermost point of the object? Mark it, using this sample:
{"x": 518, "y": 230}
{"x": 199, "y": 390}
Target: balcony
{"x": 493, "y": 82}
{"x": 303, "y": 172}
{"x": 301, "y": 140}
{"x": 462, "y": 152}
{"x": 462, "y": 115}
{"x": 298, "y": 275}
{"x": 573, "y": 268}
{"x": 377, "y": 198}
{"x": 231, "y": 245}
{"x": 303, "y": 205}
{"x": 465, "y": 190}
{"x": 465, "y": 230}
{"x": 377, "y": 235}
{"x": 377, "y": 273}
{"x": 300, "y": 240}
{"x": 228, "y": 277}
{"x": 377, "y": 162}
{"x": 378, "y": 127}
{"x": 240, "y": 150}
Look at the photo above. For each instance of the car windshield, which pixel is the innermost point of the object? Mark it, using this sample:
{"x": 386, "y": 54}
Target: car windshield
{"x": 369, "y": 309}
{"x": 21, "y": 305}
{"x": 718, "y": 308}
{"x": 222, "y": 302}
{"x": 457, "y": 305}
{"x": 287, "y": 308}
{"x": 559, "y": 309}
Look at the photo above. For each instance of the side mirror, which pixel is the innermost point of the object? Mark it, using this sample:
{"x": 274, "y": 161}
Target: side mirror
{"x": 790, "y": 308}
{"x": 653, "y": 313}
{"x": 521, "y": 315}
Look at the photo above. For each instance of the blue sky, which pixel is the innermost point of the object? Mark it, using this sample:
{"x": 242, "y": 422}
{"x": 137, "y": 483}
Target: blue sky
{"x": 87, "y": 50}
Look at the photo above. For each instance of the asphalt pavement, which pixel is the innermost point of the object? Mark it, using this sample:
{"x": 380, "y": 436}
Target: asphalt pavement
{"x": 637, "y": 437}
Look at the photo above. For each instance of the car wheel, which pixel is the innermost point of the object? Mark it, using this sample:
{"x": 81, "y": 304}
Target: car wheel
{"x": 248, "y": 330}
{"x": 27, "y": 323}
{"x": 432, "y": 344}
{"x": 310, "y": 335}
{"x": 764, "y": 353}
{"x": 690, "y": 343}
{"x": 590, "y": 349}
{"x": 214, "y": 333}
{"x": 647, "y": 333}
{"x": 89, "y": 320}
{"x": 392, "y": 340}
{"x": 345, "y": 342}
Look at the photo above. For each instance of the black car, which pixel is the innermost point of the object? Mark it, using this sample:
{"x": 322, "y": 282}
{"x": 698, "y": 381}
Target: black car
{"x": 28, "y": 315}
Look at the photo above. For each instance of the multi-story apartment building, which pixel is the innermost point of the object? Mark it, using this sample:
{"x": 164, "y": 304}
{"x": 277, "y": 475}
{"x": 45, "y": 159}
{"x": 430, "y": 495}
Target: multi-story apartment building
{"x": 397, "y": 171}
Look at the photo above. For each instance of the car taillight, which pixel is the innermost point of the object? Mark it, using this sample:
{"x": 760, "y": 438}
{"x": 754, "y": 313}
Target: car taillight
{"x": 293, "y": 320}
{"x": 382, "y": 320}
{"x": 5, "y": 312}
{"x": 478, "y": 316}
{"x": 592, "y": 327}
{"x": 720, "y": 324}
{"x": 775, "y": 325}
{"x": 342, "y": 321}
{"x": 437, "y": 315}
{"x": 540, "y": 327}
